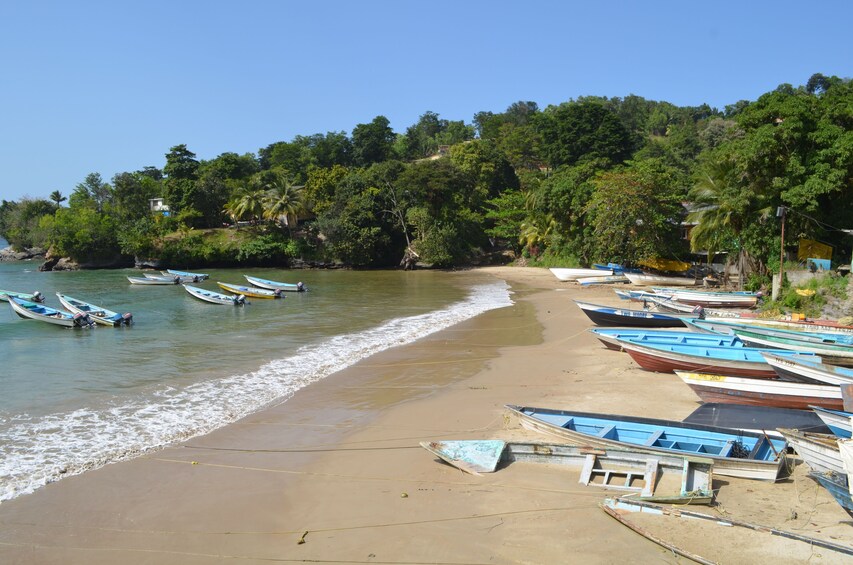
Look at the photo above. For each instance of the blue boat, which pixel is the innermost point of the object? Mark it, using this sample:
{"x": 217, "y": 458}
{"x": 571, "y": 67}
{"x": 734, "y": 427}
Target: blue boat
{"x": 617, "y": 268}
{"x": 610, "y": 336}
{"x": 837, "y": 486}
{"x": 33, "y": 311}
{"x": 736, "y": 453}
{"x": 734, "y": 361}
{"x": 608, "y": 316}
{"x": 838, "y": 421}
{"x": 99, "y": 314}
{"x": 275, "y": 285}
{"x": 185, "y": 275}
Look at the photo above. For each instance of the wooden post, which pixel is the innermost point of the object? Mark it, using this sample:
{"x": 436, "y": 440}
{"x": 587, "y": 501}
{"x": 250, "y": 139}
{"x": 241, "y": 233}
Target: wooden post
{"x": 847, "y": 397}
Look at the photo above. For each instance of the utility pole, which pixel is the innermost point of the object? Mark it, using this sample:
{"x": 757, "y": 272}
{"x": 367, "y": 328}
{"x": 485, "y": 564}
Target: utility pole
{"x": 780, "y": 213}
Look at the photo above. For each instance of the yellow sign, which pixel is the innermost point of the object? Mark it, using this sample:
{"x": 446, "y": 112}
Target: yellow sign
{"x": 810, "y": 249}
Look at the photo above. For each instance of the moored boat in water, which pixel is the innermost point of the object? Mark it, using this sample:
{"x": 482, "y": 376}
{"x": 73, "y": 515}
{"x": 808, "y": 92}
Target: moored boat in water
{"x": 216, "y": 297}
{"x": 252, "y": 291}
{"x": 34, "y": 311}
{"x": 276, "y": 285}
{"x": 99, "y": 314}
{"x": 153, "y": 281}
{"x": 34, "y": 297}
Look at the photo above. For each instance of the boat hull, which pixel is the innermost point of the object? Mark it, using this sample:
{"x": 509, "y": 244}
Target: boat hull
{"x": 249, "y": 291}
{"x": 665, "y": 361}
{"x": 655, "y": 280}
{"x": 838, "y": 421}
{"x": 34, "y": 311}
{"x": 572, "y": 274}
{"x": 765, "y": 462}
{"x": 275, "y": 285}
{"x": 819, "y": 451}
{"x": 100, "y": 315}
{"x": 759, "y": 392}
{"x": 621, "y": 317}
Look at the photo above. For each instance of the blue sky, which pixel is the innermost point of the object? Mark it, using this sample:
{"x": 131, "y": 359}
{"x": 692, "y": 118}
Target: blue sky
{"x": 110, "y": 86}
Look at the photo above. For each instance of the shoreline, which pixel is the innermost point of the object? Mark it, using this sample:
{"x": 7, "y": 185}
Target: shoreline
{"x": 338, "y": 467}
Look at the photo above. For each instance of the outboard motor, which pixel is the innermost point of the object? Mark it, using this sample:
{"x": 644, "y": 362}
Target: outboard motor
{"x": 82, "y": 320}
{"x": 177, "y": 279}
{"x": 699, "y": 311}
{"x": 277, "y": 293}
{"x": 239, "y": 300}
{"x": 127, "y": 318}
{"x": 195, "y": 278}
{"x": 38, "y": 297}
{"x": 300, "y": 287}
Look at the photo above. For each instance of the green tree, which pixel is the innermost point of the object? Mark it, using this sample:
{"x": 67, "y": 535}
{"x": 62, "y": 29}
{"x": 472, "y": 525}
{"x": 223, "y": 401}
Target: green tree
{"x": 373, "y": 142}
{"x": 181, "y": 171}
{"x": 584, "y": 130}
{"x": 57, "y": 198}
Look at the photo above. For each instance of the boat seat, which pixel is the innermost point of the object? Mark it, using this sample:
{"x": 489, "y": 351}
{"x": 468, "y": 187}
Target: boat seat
{"x": 726, "y": 450}
{"x": 653, "y": 438}
{"x": 606, "y": 431}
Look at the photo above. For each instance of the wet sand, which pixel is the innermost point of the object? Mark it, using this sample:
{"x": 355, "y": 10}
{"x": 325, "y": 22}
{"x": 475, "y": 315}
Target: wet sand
{"x": 335, "y": 474}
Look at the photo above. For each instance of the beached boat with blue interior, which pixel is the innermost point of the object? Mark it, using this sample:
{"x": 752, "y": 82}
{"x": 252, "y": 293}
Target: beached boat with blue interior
{"x": 276, "y": 285}
{"x": 738, "y": 361}
{"x": 736, "y": 453}
{"x": 99, "y": 314}
{"x": 33, "y": 311}
{"x": 610, "y": 337}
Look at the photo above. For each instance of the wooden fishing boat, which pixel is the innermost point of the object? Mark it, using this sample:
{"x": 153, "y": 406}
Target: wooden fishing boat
{"x": 838, "y": 486}
{"x": 572, "y": 274}
{"x": 99, "y": 314}
{"x": 738, "y": 361}
{"x": 646, "y": 279}
{"x": 34, "y": 297}
{"x": 736, "y": 453}
{"x": 610, "y": 337}
{"x": 728, "y": 326}
{"x": 33, "y": 311}
{"x": 838, "y": 421}
{"x": 802, "y": 368}
{"x": 709, "y": 539}
{"x": 762, "y": 392}
{"x": 715, "y": 299}
{"x": 603, "y": 279}
{"x": 195, "y": 277}
{"x": 252, "y": 291}
{"x": 609, "y": 316}
{"x": 216, "y": 297}
{"x": 669, "y": 478}
{"x": 275, "y": 285}
{"x": 831, "y": 352}
{"x": 150, "y": 281}
{"x": 819, "y": 451}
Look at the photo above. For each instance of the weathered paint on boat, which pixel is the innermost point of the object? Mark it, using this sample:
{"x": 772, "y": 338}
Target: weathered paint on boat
{"x": 736, "y": 453}
{"x": 838, "y": 421}
{"x": 761, "y": 392}
{"x": 610, "y": 337}
{"x": 671, "y": 478}
{"x": 801, "y": 368}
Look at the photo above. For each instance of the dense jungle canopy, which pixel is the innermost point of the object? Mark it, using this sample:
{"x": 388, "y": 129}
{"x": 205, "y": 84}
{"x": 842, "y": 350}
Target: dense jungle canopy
{"x": 592, "y": 179}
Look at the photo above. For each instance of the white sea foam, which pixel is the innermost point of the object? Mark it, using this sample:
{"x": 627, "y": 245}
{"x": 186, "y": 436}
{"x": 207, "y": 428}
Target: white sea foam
{"x": 37, "y": 451}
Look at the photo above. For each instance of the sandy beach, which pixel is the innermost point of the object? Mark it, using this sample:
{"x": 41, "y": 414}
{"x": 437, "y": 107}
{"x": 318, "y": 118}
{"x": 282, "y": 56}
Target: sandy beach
{"x": 336, "y": 474}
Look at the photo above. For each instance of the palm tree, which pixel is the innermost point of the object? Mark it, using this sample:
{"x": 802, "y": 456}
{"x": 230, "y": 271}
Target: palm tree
{"x": 537, "y": 231}
{"x": 246, "y": 202}
{"x": 57, "y": 198}
{"x": 722, "y": 210}
{"x": 283, "y": 201}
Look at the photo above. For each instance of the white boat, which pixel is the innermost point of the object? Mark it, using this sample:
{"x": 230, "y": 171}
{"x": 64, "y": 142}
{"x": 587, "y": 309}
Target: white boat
{"x": 99, "y": 314}
{"x": 34, "y": 297}
{"x": 800, "y": 368}
{"x": 152, "y": 281}
{"x": 216, "y": 297}
{"x": 715, "y": 299}
{"x": 762, "y": 392}
{"x": 276, "y": 285}
{"x": 31, "y": 310}
{"x": 838, "y": 421}
{"x": 603, "y": 279}
{"x": 646, "y": 279}
{"x": 194, "y": 277}
{"x": 819, "y": 451}
{"x": 572, "y": 274}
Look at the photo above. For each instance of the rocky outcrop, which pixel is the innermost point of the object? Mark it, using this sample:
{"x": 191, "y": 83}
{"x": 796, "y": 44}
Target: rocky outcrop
{"x": 9, "y": 254}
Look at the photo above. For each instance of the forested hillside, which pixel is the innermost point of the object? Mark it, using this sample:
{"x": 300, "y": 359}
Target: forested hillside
{"x": 592, "y": 179}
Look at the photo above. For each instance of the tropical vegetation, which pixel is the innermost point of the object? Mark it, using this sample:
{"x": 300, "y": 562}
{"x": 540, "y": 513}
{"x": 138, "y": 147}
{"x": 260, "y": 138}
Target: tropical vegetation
{"x": 592, "y": 179}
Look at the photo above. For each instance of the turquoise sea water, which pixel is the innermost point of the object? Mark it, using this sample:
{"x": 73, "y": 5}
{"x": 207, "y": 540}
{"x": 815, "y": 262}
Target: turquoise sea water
{"x": 76, "y": 399}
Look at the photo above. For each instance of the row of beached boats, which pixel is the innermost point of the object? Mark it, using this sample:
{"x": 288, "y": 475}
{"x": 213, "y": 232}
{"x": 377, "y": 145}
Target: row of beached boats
{"x": 767, "y": 386}
{"x": 614, "y": 273}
